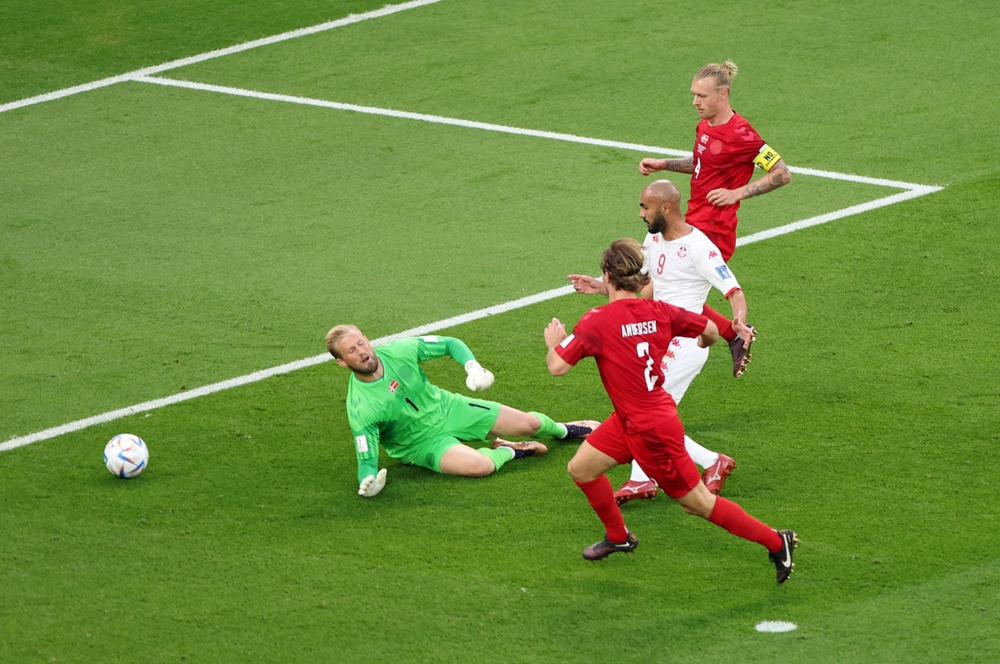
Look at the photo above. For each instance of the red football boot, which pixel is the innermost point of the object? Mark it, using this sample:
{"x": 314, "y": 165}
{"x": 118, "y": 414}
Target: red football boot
{"x": 715, "y": 475}
{"x": 635, "y": 490}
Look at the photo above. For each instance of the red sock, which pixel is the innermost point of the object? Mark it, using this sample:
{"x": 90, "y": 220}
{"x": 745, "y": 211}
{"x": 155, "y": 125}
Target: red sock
{"x": 601, "y": 497}
{"x": 724, "y": 324}
{"x": 731, "y": 516}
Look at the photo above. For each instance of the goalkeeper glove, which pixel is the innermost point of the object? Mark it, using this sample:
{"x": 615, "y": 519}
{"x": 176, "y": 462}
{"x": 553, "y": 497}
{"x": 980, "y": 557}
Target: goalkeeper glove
{"x": 371, "y": 485}
{"x": 478, "y": 378}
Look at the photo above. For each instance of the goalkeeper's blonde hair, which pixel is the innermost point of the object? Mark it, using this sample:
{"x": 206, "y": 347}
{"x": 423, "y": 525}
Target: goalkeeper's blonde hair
{"x": 334, "y": 336}
{"x": 722, "y": 74}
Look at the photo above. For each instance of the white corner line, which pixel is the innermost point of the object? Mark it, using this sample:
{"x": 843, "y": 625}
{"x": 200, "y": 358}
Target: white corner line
{"x": 218, "y": 53}
{"x": 486, "y": 126}
{"x": 836, "y": 214}
{"x": 257, "y": 376}
{"x": 832, "y": 175}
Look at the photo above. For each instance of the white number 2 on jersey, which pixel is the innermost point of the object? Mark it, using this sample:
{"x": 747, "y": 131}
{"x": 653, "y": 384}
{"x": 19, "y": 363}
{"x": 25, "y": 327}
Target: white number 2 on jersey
{"x": 642, "y": 348}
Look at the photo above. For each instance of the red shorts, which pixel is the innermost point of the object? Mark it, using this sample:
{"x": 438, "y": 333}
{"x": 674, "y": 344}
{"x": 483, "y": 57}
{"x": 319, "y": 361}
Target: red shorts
{"x": 724, "y": 240}
{"x": 660, "y": 451}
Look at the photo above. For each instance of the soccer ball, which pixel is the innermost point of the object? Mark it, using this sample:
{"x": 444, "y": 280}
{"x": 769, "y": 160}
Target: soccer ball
{"x": 126, "y": 455}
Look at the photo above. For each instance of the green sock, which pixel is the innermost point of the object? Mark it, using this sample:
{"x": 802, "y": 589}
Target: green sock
{"x": 500, "y": 455}
{"x": 549, "y": 427}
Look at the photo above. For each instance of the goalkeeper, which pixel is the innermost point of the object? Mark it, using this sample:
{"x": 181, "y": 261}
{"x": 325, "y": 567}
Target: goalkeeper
{"x": 391, "y": 402}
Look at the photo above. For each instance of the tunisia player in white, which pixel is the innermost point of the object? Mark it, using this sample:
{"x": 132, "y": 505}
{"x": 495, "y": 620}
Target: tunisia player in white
{"x": 684, "y": 265}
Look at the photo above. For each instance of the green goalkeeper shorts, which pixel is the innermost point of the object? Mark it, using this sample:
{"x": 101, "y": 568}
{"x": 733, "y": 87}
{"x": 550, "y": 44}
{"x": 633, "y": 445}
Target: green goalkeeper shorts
{"x": 465, "y": 420}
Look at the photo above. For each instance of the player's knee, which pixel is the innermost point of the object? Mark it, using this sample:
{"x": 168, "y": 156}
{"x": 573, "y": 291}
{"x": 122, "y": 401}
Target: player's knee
{"x": 531, "y": 424}
{"x": 482, "y": 467}
{"x": 577, "y": 473}
{"x": 699, "y": 509}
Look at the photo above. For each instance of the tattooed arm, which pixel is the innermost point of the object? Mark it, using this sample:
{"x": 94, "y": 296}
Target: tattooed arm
{"x": 778, "y": 177}
{"x": 651, "y": 165}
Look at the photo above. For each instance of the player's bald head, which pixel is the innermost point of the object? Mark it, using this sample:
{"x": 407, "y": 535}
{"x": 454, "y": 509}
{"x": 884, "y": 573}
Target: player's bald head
{"x": 662, "y": 191}
{"x": 660, "y": 205}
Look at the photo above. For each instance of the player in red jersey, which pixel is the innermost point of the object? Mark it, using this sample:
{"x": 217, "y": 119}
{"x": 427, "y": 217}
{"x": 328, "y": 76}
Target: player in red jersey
{"x": 726, "y": 150}
{"x": 628, "y": 338}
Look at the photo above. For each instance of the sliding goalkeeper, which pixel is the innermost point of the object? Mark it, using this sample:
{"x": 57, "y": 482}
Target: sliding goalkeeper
{"x": 391, "y": 402}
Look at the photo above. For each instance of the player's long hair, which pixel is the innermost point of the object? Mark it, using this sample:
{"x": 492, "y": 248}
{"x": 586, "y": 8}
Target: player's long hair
{"x": 722, "y": 74}
{"x": 623, "y": 263}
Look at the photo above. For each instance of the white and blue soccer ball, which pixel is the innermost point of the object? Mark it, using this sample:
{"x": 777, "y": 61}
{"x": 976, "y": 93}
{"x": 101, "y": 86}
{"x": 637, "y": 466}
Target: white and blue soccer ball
{"x": 126, "y": 455}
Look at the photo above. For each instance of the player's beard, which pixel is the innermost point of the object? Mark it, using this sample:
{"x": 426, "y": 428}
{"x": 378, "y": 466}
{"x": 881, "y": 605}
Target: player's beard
{"x": 367, "y": 368}
{"x": 658, "y": 224}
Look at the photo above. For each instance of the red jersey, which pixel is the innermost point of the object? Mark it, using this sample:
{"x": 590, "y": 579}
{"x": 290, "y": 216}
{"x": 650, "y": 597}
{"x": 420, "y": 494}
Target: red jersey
{"x": 723, "y": 159}
{"x": 629, "y": 338}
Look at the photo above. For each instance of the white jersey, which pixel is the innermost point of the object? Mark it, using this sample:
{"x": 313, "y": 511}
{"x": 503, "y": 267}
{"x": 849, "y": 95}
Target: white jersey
{"x": 684, "y": 270}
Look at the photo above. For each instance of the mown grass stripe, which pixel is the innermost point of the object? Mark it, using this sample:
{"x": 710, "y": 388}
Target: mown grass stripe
{"x": 218, "y": 53}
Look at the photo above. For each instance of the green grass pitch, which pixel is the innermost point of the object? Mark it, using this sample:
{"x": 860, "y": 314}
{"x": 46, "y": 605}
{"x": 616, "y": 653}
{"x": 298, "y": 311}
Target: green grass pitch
{"x": 156, "y": 239}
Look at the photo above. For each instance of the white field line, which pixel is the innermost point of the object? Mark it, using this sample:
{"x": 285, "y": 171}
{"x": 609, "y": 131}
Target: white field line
{"x": 274, "y": 371}
{"x": 505, "y": 129}
{"x": 836, "y": 214}
{"x": 183, "y": 62}
{"x": 388, "y": 112}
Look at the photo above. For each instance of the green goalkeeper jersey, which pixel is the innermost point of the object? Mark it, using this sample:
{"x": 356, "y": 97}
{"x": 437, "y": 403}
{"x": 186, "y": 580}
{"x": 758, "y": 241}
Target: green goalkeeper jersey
{"x": 402, "y": 408}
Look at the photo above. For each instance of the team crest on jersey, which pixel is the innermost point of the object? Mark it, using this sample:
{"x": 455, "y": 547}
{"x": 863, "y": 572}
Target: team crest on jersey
{"x": 723, "y": 271}
{"x": 704, "y": 138}
{"x": 713, "y": 253}
{"x": 682, "y": 252}
{"x": 393, "y": 386}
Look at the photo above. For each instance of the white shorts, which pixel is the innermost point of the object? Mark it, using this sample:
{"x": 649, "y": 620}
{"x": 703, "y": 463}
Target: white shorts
{"x": 682, "y": 362}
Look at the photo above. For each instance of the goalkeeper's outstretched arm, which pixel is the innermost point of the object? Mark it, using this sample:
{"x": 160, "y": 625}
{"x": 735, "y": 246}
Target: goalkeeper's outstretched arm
{"x": 477, "y": 378}
{"x": 366, "y": 444}
{"x": 371, "y": 480}
{"x": 431, "y": 347}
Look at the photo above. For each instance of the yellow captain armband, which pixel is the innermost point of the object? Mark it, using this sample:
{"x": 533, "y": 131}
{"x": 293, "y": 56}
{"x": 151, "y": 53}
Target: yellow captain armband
{"x": 767, "y": 158}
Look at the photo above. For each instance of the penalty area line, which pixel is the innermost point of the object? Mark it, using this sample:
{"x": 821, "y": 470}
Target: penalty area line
{"x": 258, "y": 376}
{"x": 503, "y": 129}
{"x": 836, "y": 214}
